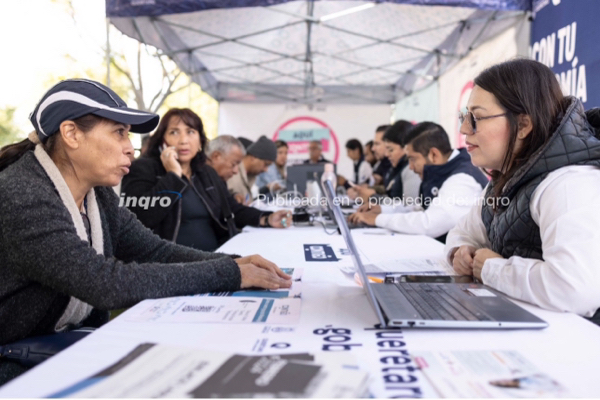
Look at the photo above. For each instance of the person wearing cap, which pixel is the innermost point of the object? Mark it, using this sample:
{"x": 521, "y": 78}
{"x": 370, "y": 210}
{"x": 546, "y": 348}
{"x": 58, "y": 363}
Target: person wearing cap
{"x": 200, "y": 213}
{"x": 259, "y": 157}
{"x": 69, "y": 253}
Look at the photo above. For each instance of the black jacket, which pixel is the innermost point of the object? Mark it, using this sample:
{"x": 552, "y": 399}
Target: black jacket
{"x": 148, "y": 178}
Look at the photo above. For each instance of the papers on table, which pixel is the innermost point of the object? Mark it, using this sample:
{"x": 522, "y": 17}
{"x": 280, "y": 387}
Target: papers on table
{"x": 486, "y": 374}
{"x": 295, "y": 291}
{"x": 404, "y": 266}
{"x": 152, "y": 370}
{"x": 193, "y": 309}
{"x": 411, "y": 266}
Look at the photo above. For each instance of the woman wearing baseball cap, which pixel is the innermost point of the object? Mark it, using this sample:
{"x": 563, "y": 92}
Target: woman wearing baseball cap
{"x": 68, "y": 252}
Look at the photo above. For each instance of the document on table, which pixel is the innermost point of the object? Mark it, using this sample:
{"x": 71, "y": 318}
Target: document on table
{"x": 411, "y": 266}
{"x": 194, "y": 309}
{"x": 295, "y": 291}
{"x": 483, "y": 373}
{"x": 416, "y": 266}
{"x": 153, "y": 370}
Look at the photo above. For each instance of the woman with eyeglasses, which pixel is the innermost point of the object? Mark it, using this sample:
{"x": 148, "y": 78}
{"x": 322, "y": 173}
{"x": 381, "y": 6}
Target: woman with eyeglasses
{"x": 535, "y": 236}
{"x": 56, "y": 273}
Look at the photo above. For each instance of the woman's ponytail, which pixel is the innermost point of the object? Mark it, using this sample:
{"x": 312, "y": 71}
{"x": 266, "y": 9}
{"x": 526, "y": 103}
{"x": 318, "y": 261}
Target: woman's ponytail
{"x": 12, "y": 152}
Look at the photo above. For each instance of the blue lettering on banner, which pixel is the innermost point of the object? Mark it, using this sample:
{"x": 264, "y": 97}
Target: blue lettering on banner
{"x": 336, "y": 338}
{"x": 397, "y": 367}
{"x": 263, "y": 311}
{"x": 564, "y": 38}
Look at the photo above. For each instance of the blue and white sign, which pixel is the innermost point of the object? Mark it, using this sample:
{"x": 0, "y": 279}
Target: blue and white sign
{"x": 565, "y": 36}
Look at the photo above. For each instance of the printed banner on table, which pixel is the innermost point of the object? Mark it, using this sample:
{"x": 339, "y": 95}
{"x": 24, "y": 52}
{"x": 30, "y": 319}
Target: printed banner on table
{"x": 194, "y": 309}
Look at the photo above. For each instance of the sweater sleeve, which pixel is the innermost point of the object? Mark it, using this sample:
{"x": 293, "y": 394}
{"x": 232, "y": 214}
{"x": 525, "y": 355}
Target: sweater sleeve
{"x": 469, "y": 231}
{"x": 44, "y": 248}
{"x": 565, "y": 208}
{"x": 142, "y": 191}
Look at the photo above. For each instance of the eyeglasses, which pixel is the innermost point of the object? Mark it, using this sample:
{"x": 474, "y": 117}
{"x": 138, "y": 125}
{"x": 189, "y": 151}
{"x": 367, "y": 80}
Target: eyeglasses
{"x": 473, "y": 119}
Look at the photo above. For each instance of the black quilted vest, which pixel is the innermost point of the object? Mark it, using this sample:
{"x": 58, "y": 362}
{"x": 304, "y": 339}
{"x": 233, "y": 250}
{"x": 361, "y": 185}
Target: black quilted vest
{"x": 511, "y": 229}
{"x": 393, "y": 179}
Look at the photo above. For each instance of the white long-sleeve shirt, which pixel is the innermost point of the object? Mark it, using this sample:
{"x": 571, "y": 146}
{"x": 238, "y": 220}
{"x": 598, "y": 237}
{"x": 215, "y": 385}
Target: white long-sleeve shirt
{"x": 455, "y": 198}
{"x": 565, "y": 207}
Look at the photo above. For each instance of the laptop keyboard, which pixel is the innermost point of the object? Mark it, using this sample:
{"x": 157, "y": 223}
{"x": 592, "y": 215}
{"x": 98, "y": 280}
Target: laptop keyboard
{"x": 436, "y": 302}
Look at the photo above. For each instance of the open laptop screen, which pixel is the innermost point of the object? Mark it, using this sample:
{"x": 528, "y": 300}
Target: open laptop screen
{"x": 345, "y": 231}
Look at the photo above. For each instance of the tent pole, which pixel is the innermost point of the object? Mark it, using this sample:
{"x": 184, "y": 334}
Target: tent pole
{"x": 107, "y": 52}
{"x": 309, "y": 77}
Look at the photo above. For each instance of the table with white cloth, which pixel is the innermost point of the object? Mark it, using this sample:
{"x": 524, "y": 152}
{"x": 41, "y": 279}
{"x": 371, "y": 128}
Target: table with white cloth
{"x": 335, "y": 316}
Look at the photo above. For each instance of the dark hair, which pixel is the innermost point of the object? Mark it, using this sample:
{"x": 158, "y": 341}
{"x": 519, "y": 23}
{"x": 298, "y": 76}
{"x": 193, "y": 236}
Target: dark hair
{"x": 397, "y": 132}
{"x": 382, "y": 128}
{"x": 369, "y": 144}
{"x": 11, "y": 153}
{"x": 354, "y": 144}
{"x": 189, "y": 118}
{"x": 426, "y": 135}
{"x": 526, "y": 87}
{"x": 280, "y": 143}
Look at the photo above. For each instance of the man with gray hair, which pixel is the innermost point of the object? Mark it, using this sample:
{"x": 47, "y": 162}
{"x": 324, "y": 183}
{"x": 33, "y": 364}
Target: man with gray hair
{"x": 315, "y": 153}
{"x": 224, "y": 154}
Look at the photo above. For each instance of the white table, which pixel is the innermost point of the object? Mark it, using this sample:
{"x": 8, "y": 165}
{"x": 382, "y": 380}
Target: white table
{"x": 335, "y": 313}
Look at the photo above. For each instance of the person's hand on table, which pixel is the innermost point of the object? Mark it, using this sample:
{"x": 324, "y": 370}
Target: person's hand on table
{"x": 352, "y": 193}
{"x": 275, "y": 186}
{"x": 281, "y": 219}
{"x": 375, "y": 208}
{"x": 462, "y": 260}
{"x": 364, "y": 193}
{"x": 239, "y": 198}
{"x": 259, "y": 272}
{"x": 364, "y": 217}
{"x": 479, "y": 259}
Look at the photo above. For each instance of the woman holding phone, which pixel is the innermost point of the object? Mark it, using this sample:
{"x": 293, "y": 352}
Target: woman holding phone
{"x": 535, "y": 235}
{"x": 200, "y": 211}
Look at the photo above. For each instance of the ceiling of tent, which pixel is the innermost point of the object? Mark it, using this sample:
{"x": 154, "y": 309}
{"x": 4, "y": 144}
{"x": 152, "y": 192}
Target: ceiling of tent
{"x": 314, "y": 51}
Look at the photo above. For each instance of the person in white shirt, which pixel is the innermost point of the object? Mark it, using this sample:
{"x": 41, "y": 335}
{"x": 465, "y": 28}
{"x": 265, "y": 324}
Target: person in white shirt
{"x": 450, "y": 186}
{"x": 535, "y": 236}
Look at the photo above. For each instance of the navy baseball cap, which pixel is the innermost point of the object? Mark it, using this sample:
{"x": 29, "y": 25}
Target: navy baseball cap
{"x": 74, "y": 98}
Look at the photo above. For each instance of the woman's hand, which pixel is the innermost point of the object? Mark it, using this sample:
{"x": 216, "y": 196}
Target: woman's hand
{"x": 169, "y": 159}
{"x": 280, "y": 219}
{"x": 259, "y": 272}
{"x": 375, "y": 208}
{"x": 365, "y": 193}
{"x": 479, "y": 259}
{"x": 463, "y": 260}
{"x": 364, "y": 217}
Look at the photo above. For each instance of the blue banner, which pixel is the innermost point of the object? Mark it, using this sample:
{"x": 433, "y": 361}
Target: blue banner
{"x": 136, "y": 8}
{"x": 565, "y": 36}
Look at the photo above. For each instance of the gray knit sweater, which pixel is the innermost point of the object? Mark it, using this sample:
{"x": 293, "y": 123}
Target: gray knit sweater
{"x": 43, "y": 262}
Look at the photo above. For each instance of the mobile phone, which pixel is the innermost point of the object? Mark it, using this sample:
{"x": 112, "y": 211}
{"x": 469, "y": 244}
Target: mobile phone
{"x": 434, "y": 278}
{"x": 163, "y": 147}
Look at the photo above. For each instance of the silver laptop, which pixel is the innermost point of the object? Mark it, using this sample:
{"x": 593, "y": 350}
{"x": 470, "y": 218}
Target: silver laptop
{"x": 434, "y": 305}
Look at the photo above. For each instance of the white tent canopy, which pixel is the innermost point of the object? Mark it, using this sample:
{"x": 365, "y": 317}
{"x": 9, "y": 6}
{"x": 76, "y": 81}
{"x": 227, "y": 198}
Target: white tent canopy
{"x": 344, "y": 52}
